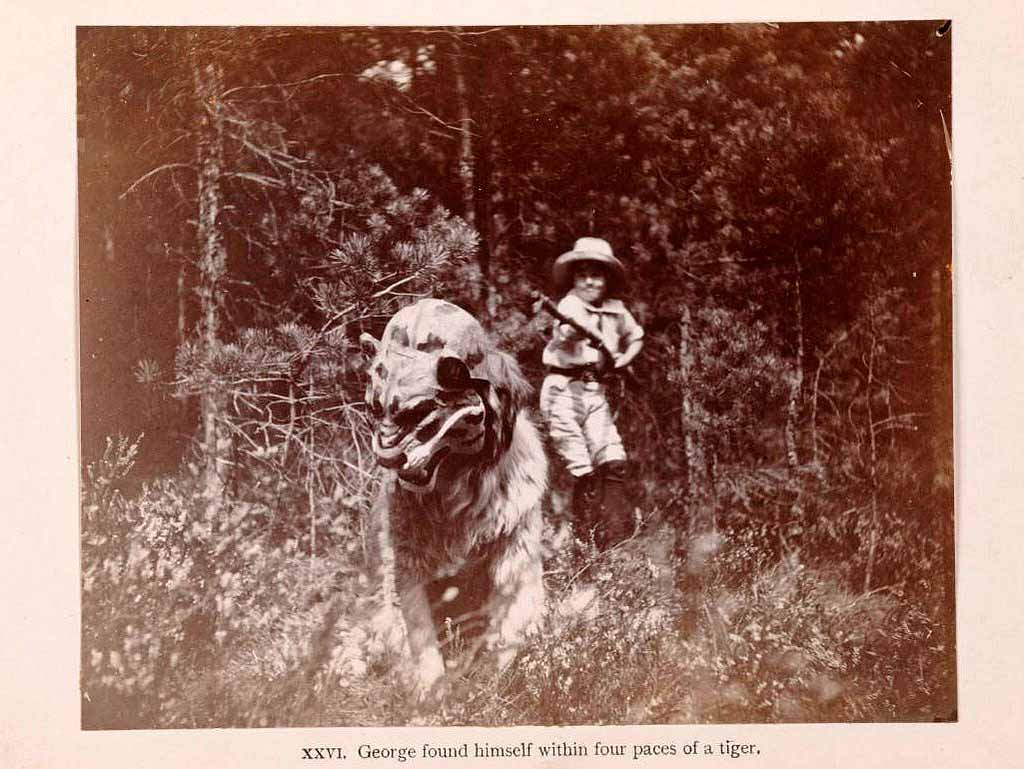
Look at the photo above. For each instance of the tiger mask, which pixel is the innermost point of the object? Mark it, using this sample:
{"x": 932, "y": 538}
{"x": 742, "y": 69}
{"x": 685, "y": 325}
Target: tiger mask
{"x": 432, "y": 396}
{"x": 465, "y": 472}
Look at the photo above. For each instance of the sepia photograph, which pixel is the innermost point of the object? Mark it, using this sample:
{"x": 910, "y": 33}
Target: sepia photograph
{"x": 516, "y": 376}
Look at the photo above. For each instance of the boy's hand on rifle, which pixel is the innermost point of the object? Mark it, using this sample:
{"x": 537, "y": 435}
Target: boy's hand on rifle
{"x": 623, "y": 360}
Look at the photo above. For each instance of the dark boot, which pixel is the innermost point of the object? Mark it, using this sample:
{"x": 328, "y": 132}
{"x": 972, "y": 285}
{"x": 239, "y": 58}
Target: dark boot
{"x": 586, "y": 503}
{"x": 616, "y": 522}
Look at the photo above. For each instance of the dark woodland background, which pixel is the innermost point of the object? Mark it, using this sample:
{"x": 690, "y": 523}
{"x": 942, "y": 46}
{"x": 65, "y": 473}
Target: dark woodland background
{"x": 251, "y": 199}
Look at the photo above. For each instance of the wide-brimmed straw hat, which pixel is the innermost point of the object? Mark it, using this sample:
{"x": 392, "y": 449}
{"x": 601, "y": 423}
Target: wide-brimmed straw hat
{"x": 588, "y": 250}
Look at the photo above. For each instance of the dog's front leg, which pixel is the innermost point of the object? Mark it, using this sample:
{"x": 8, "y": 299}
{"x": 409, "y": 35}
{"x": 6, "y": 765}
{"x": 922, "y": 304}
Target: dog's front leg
{"x": 428, "y": 664}
{"x": 518, "y": 597}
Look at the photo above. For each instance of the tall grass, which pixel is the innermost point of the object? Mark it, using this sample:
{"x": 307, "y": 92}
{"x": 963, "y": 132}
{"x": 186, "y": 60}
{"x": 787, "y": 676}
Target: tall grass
{"x": 217, "y": 614}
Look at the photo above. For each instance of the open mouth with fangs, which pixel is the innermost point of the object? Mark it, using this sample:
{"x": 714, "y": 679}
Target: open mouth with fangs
{"x": 417, "y": 452}
{"x": 422, "y": 478}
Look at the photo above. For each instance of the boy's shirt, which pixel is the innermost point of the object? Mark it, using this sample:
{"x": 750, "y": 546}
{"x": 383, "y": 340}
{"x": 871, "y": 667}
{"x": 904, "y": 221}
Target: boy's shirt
{"x": 611, "y": 321}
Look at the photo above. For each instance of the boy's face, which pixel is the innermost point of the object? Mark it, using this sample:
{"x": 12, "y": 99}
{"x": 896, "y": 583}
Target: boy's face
{"x": 590, "y": 282}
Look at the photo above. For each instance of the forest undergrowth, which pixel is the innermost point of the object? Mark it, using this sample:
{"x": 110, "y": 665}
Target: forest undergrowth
{"x": 197, "y": 614}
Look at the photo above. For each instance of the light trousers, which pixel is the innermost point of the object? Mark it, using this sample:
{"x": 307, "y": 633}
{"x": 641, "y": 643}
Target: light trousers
{"x": 580, "y": 423}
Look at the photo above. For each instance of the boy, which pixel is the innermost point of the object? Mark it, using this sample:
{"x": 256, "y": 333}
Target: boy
{"x": 573, "y": 399}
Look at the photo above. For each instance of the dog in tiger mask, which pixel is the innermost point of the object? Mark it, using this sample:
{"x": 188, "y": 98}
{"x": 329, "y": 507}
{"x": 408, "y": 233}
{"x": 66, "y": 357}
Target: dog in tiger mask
{"x": 457, "y": 525}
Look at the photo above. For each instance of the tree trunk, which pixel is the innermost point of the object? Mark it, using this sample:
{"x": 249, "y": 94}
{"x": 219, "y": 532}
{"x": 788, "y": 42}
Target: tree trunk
{"x": 873, "y": 438}
{"x": 796, "y": 389}
{"x": 181, "y": 305}
{"x": 816, "y": 397}
{"x": 212, "y": 265}
{"x": 466, "y": 164}
{"x": 796, "y": 509}
{"x": 466, "y": 167}
{"x": 698, "y": 542}
{"x": 485, "y": 222}
{"x": 701, "y": 513}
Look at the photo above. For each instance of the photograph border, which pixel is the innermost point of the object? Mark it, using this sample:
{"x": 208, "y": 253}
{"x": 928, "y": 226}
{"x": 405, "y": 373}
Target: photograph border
{"x": 41, "y": 710}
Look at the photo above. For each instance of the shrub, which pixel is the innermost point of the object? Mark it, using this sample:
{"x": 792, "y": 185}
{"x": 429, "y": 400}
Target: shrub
{"x": 749, "y": 638}
{"x": 204, "y": 613}
{"x": 187, "y": 601}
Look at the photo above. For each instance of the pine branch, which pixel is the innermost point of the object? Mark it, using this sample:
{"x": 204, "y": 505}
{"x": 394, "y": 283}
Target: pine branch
{"x": 293, "y": 84}
{"x": 268, "y": 181}
{"x": 141, "y": 179}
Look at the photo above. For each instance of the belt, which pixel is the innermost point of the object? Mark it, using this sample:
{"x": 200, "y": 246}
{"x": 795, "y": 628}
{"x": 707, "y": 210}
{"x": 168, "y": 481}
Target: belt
{"x": 582, "y": 373}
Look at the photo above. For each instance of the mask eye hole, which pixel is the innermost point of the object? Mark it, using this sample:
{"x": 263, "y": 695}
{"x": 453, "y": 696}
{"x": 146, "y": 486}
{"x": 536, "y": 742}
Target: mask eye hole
{"x": 452, "y": 373}
{"x": 409, "y": 418}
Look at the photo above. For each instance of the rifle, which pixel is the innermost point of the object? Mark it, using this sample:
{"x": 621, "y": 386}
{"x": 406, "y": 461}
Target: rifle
{"x": 607, "y": 365}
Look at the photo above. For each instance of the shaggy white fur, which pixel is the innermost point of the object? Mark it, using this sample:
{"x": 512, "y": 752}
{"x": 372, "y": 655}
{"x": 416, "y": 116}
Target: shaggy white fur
{"x": 478, "y": 518}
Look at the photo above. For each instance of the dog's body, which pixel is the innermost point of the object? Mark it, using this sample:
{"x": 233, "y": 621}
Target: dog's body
{"x": 461, "y": 504}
